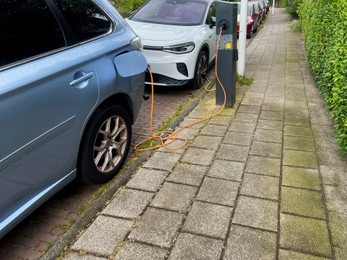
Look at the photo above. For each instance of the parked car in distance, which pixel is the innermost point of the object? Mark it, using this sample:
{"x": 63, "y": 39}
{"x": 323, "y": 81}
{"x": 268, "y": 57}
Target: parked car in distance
{"x": 267, "y": 5}
{"x": 71, "y": 85}
{"x": 261, "y": 9}
{"x": 179, "y": 40}
{"x": 252, "y": 19}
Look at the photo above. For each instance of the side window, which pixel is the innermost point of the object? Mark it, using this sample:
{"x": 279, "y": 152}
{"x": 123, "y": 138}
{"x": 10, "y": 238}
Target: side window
{"x": 211, "y": 13}
{"x": 84, "y": 18}
{"x": 27, "y": 29}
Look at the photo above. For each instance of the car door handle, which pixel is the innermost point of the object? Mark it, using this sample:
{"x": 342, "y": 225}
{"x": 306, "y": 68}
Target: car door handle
{"x": 82, "y": 79}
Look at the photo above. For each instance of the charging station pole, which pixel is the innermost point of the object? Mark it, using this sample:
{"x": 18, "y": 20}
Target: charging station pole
{"x": 226, "y": 20}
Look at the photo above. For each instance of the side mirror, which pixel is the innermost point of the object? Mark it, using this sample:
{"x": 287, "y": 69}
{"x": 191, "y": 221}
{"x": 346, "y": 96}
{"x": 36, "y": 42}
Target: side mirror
{"x": 213, "y": 22}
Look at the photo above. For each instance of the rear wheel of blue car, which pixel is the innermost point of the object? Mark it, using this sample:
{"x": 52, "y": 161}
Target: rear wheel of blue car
{"x": 201, "y": 68}
{"x": 105, "y": 144}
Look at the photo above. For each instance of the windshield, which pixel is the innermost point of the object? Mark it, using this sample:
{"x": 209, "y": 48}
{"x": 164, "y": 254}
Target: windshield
{"x": 175, "y": 12}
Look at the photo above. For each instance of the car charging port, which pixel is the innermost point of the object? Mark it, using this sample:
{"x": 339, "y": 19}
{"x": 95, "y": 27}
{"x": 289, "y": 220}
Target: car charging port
{"x": 223, "y": 25}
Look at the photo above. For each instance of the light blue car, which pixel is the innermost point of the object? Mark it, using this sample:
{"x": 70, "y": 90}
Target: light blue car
{"x": 71, "y": 86}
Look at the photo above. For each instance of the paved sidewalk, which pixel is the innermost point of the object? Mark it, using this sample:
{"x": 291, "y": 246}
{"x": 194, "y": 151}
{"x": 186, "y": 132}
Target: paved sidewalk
{"x": 261, "y": 182}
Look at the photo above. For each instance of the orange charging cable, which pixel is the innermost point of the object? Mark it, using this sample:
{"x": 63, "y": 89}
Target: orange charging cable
{"x": 171, "y": 136}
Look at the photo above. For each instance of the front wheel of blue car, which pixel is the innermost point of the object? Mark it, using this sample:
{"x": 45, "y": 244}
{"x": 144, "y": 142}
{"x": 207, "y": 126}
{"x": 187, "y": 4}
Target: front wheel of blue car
{"x": 105, "y": 144}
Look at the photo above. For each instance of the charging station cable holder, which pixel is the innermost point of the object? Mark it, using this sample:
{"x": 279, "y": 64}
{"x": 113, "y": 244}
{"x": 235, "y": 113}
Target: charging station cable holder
{"x": 226, "y": 20}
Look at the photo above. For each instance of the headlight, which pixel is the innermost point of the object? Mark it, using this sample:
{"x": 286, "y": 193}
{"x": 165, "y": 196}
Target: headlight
{"x": 136, "y": 42}
{"x": 180, "y": 48}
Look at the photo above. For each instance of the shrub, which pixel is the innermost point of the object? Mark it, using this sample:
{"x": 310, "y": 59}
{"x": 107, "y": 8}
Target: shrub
{"x": 292, "y": 7}
{"x": 125, "y": 7}
{"x": 324, "y": 33}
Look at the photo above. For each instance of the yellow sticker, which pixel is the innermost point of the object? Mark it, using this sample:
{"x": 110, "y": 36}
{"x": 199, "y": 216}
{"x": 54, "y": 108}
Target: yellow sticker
{"x": 228, "y": 45}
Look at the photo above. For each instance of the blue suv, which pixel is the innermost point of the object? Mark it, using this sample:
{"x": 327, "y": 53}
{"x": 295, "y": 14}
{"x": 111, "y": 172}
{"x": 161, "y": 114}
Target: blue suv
{"x": 71, "y": 86}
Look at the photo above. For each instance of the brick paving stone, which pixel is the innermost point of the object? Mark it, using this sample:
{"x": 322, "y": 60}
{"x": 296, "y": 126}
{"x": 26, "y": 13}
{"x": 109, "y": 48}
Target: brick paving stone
{"x": 162, "y": 161}
{"x": 147, "y": 179}
{"x": 216, "y": 130}
{"x": 74, "y": 256}
{"x": 128, "y": 203}
{"x": 188, "y": 174}
{"x": 258, "y": 213}
{"x": 198, "y": 156}
{"x": 270, "y": 124}
{"x": 226, "y": 170}
{"x": 167, "y": 197}
{"x": 218, "y": 191}
{"x": 245, "y": 127}
{"x": 103, "y": 235}
{"x": 289, "y": 255}
{"x": 301, "y": 178}
{"x": 248, "y": 243}
{"x": 157, "y": 227}
{"x": 267, "y": 135}
{"x": 189, "y": 246}
{"x": 298, "y": 143}
{"x": 300, "y": 159}
{"x": 233, "y": 152}
{"x": 137, "y": 251}
{"x": 260, "y": 186}
{"x": 207, "y": 142}
{"x": 305, "y": 235}
{"x": 238, "y": 138}
{"x": 266, "y": 149}
{"x": 263, "y": 165}
{"x": 302, "y": 202}
{"x": 208, "y": 219}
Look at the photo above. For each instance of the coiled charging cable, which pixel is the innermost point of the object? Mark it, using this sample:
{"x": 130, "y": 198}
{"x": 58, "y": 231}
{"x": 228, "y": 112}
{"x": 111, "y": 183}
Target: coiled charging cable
{"x": 165, "y": 138}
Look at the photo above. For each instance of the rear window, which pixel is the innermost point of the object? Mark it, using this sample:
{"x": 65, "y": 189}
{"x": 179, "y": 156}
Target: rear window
{"x": 27, "y": 29}
{"x": 86, "y": 20}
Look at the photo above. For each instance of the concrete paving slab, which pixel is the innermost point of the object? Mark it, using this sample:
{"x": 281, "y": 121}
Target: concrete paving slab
{"x": 162, "y": 161}
{"x": 207, "y": 142}
{"x": 248, "y": 243}
{"x": 260, "y": 186}
{"x": 228, "y": 170}
{"x": 103, "y": 235}
{"x": 266, "y": 149}
{"x": 301, "y": 178}
{"x": 305, "y": 235}
{"x": 300, "y": 159}
{"x": 267, "y": 135}
{"x": 128, "y": 203}
{"x": 298, "y": 143}
{"x": 232, "y": 152}
{"x": 243, "y": 117}
{"x": 270, "y": 124}
{"x": 302, "y": 202}
{"x": 271, "y": 115}
{"x": 243, "y": 139}
{"x": 198, "y": 156}
{"x": 147, "y": 179}
{"x": 258, "y": 213}
{"x": 137, "y": 251}
{"x": 167, "y": 197}
{"x": 218, "y": 191}
{"x": 189, "y": 174}
{"x": 189, "y": 246}
{"x": 214, "y": 130}
{"x": 74, "y": 256}
{"x": 297, "y": 131}
{"x": 249, "y": 109}
{"x": 289, "y": 255}
{"x": 208, "y": 219}
{"x": 157, "y": 227}
{"x": 263, "y": 165}
{"x": 237, "y": 126}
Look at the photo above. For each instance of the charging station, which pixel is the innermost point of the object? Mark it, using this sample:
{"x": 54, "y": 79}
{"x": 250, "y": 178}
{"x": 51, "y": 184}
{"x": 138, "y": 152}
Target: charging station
{"x": 226, "y": 20}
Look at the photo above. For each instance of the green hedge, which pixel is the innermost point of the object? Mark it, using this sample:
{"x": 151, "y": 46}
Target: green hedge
{"x": 324, "y": 29}
{"x": 125, "y": 7}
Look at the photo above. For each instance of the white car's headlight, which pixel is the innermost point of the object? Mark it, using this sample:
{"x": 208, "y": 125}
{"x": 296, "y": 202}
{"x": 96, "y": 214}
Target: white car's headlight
{"x": 180, "y": 48}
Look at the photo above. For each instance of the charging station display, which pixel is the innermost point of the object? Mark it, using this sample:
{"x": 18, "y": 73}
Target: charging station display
{"x": 226, "y": 24}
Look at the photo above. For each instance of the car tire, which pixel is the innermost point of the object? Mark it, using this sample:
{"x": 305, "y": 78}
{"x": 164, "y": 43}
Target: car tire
{"x": 200, "y": 72}
{"x": 105, "y": 145}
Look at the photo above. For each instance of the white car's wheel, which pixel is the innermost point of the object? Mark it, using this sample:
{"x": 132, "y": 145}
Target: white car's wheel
{"x": 201, "y": 67}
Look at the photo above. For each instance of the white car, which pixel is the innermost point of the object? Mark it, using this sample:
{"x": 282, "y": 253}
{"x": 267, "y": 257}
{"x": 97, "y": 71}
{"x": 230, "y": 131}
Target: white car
{"x": 179, "y": 40}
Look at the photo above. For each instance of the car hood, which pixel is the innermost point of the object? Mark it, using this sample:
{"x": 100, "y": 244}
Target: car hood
{"x": 162, "y": 34}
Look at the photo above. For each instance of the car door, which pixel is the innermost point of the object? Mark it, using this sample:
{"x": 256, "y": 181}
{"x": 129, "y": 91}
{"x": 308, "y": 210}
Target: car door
{"x": 211, "y": 30}
{"x": 47, "y": 90}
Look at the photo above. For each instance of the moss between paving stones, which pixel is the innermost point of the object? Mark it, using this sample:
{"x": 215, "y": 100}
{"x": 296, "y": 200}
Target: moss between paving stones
{"x": 305, "y": 235}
